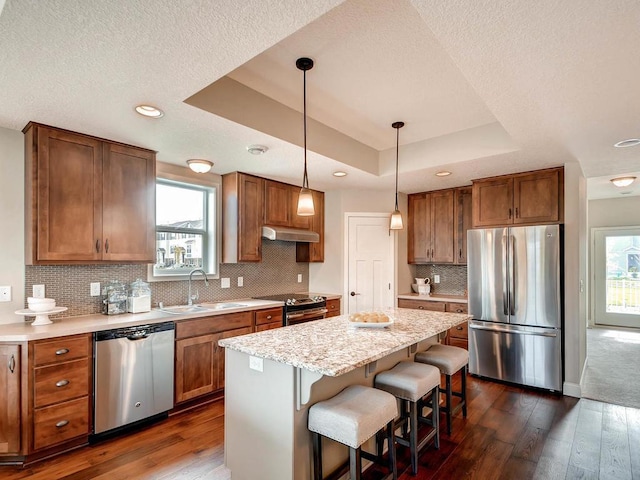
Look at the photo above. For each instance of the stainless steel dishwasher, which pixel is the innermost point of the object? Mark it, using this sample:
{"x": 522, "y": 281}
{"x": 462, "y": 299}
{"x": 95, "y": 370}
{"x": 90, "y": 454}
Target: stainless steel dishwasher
{"x": 133, "y": 375}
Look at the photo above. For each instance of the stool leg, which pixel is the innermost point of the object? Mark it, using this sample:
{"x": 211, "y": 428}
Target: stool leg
{"x": 448, "y": 403}
{"x": 403, "y": 417}
{"x": 317, "y": 456}
{"x": 435, "y": 414}
{"x": 355, "y": 463}
{"x": 391, "y": 440}
{"x": 464, "y": 391}
{"x": 413, "y": 436}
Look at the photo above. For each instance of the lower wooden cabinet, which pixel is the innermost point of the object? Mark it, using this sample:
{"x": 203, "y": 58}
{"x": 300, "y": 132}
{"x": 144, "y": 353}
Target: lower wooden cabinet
{"x": 457, "y": 336}
{"x": 10, "y": 414}
{"x": 194, "y": 369}
{"x": 422, "y": 305}
{"x": 333, "y": 307}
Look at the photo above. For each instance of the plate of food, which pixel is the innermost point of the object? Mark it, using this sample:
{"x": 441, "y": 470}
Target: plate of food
{"x": 370, "y": 320}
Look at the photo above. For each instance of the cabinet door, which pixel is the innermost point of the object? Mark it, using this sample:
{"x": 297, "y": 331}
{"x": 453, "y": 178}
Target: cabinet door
{"x": 313, "y": 252}
{"x": 68, "y": 188}
{"x": 419, "y": 228}
{"x": 250, "y": 198}
{"x": 10, "y": 399}
{"x": 277, "y": 204}
{"x": 195, "y": 372}
{"x": 129, "y": 199}
{"x": 219, "y": 361}
{"x": 442, "y": 226}
{"x": 333, "y": 307}
{"x": 493, "y": 202}
{"x": 536, "y": 197}
{"x": 298, "y": 221}
{"x": 268, "y": 326}
{"x": 463, "y": 223}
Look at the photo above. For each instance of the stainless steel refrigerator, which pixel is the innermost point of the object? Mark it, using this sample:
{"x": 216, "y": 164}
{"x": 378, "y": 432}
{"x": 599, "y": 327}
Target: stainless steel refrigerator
{"x": 515, "y": 298}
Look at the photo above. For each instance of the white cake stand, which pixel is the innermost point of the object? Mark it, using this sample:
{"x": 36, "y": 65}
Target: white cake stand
{"x": 42, "y": 318}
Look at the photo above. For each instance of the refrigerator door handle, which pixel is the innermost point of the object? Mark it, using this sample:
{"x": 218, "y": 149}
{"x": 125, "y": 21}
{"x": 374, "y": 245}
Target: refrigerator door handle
{"x": 512, "y": 276}
{"x": 516, "y": 332}
{"x": 505, "y": 294}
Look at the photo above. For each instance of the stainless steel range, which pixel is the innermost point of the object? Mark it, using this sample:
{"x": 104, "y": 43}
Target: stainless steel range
{"x": 300, "y": 307}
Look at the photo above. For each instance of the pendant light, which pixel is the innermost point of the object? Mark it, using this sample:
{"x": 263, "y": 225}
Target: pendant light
{"x": 396, "y": 216}
{"x": 305, "y": 199}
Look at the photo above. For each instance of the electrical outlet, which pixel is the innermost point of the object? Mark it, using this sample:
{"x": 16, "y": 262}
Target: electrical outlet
{"x": 299, "y": 278}
{"x": 5, "y": 294}
{"x": 38, "y": 291}
{"x": 436, "y": 279}
{"x": 95, "y": 289}
{"x": 241, "y": 281}
{"x": 225, "y": 283}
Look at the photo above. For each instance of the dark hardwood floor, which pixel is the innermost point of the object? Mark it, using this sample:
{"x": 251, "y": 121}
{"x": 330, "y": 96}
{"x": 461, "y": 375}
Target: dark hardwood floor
{"x": 510, "y": 433}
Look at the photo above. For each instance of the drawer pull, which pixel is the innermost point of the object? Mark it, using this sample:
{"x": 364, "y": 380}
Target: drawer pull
{"x": 12, "y": 364}
{"x": 62, "y": 351}
{"x": 268, "y": 317}
{"x": 459, "y": 310}
{"x": 420, "y": 307}
{"x": 62, "y": 423}
{"x": 458, "y": 328}
{"x": 62, "y": 383}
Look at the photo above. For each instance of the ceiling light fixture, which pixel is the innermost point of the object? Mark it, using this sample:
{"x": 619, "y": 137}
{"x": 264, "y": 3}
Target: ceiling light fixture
{"x": 149, "y": 111}
{"x": 257, "y": 149}
{"x": 632, "y": 142}
{"x": 305, "y": 199}
{"x": 396, "y": 216}
{"x": 339, "y": 173}
{"x": 199, "y": 165}
{"x": 623, "y": 181}
{"x": 443, "y": 173}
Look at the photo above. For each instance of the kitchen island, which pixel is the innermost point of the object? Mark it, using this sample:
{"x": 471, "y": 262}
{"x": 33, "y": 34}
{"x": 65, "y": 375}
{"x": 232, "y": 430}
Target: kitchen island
{"x": 273, "y": 377}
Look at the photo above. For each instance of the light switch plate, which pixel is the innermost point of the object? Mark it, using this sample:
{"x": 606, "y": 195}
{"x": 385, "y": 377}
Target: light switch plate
{"x": 436, "y": 279}
{"x": 256, "y": 363}
{"x": 95, "y": 289}
{"x": 5, "y": 294}
{"x": 299, "y": 278}
{"x": 225, "y": 283}
{"x": 241, "y": 281}
{"x": 38, "y": 291}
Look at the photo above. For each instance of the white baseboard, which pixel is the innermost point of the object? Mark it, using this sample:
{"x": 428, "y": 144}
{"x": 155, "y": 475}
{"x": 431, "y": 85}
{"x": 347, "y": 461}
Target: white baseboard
{"x": 572, "y": 390}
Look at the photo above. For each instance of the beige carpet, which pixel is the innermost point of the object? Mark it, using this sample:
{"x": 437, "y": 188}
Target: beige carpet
{"x": 613, "y": 367}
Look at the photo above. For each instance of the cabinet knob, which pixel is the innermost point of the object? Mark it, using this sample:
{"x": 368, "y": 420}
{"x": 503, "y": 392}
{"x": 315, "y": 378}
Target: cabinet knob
{"x": 62, "y": 383}
{"x": 62, "y": 423}
{"x": 268, "y": 317}
{"x": 458, "y": 328}
{"x": 459, "y": 311}
{"x": 420, "y": 307}
{"x": 62, "y": 351}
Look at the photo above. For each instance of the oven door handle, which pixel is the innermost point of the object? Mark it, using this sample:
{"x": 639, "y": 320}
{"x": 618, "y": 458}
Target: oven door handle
{"x": 294, "y": 316}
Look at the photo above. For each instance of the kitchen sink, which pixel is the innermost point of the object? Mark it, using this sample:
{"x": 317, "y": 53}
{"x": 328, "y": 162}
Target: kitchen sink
{"x": 221, "y": 306}
{"x": 204, "y": 307}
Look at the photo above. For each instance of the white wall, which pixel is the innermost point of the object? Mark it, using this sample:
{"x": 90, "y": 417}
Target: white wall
{"x": 328, "y": 277}
{"x": 575, "y": 274}
{"x": 614, "y": 212}
{"x": 12, "y": 221}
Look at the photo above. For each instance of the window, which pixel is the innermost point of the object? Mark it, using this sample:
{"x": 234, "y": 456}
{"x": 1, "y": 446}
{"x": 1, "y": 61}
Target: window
{"x": 185, "y": 229}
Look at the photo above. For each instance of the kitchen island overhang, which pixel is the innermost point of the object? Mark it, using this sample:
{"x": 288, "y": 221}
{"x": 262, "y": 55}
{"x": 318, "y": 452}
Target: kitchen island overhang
{"x": 273, "y": 377}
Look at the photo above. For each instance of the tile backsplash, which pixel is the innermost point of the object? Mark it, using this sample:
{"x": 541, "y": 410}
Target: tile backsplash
{"x": 69, "y": 284}
{"x": 453, "y": 278}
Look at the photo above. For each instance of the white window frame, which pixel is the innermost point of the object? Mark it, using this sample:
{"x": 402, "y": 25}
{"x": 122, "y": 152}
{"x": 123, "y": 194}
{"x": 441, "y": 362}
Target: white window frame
{"x": 183, "y": 175}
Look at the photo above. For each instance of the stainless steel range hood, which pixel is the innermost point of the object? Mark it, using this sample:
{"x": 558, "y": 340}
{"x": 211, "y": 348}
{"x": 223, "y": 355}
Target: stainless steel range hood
{"x": 289, "y": 234}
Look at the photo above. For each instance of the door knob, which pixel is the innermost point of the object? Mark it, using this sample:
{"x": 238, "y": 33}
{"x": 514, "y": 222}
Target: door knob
{"x": 353, "y": 294}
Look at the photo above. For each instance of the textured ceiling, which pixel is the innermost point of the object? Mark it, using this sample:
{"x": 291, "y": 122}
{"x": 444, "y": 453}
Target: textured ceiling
{"x": 484, "y": 87}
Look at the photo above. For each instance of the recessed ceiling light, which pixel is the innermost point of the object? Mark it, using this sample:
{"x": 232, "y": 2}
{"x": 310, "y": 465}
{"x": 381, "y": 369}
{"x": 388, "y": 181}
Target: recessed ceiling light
{"x": 149, "y": 111}
{"x": 199, "y": 165}
{"x": 257, "y": 149}
{"x": 443, "y": 173}
{"x": 622, "y": 181}
{"x": 632, "y": 142}
{"x": 339, "y": 174}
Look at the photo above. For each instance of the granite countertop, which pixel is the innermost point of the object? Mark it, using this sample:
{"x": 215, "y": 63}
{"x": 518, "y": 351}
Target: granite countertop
{"x": 434, "y": 297}
{"x": 24, "y": 331}
{"x": 334, "y": 347}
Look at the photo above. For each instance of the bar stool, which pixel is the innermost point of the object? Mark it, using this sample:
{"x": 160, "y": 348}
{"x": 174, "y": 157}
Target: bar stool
{"x": 351, "y": 417}
{"x": 411, "y": 382}
{"x": 449, "y": 360}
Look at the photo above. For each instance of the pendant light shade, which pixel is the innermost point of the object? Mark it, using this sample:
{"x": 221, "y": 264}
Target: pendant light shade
{"x": 305, "y": 199}
{"x": 396, "y": 216}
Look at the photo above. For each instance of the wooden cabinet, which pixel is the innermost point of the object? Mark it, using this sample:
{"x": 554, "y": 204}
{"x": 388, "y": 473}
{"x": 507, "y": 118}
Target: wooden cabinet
{"x": 463, "y": 219}
{"x": 431, "y": 227}
{"x": 62, "y": 390}
{"x": 242, "y": 217}
{"x": 199, "y": 361}
{"x": 10, "y": 399}
{"x": 456, "y": 336}
{"x": 88, "y": 200}
{"x": 269, "y": 319}
{"x": 313, "y": 252}
{"x": 333, "y": 307}
{"x": 422, "y": 305}
{"x": 520, "y": 199}
{"x": 277, "y": 204}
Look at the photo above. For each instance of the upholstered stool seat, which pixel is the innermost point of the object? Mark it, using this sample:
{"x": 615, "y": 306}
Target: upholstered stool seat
{"x": 449, "y": 360}
{"x": 352, "y": 417}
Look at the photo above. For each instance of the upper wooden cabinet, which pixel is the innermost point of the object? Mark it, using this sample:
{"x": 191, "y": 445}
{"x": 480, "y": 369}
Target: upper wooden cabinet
{"x": 463, "y": 201}
{"x": 277, "y": 204}
{"x": 520, "y": 199}
{"x": 88, "y": 200}
{"x": 431, "y": 227}
{"x": 242, "y": 217}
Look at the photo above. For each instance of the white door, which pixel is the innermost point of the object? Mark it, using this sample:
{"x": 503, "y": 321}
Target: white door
{"x": 370, "y": 259}
{"x": 617, "y": 276}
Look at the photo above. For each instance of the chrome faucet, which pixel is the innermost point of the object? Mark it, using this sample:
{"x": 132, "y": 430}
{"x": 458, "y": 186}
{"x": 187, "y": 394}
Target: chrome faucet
{"x": 206, "y": 282}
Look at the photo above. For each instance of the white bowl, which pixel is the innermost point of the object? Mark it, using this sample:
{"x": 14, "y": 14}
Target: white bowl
{"x": 40, "y": 300}
{"x": 42, "y": 305}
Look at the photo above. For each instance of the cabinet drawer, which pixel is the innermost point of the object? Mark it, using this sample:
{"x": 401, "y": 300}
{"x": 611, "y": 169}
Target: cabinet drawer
{"x": 457, "y": 307}
{"x": 208, "y": 325}
{"x": 61, "y": 349}
{"x": 333, "y": 307}
{"x": 460, "y": 331}
{"x": 271, "y": 315}
{"x": 268, "y": 326}
{"x": 457, "y": 342}
{"x": 59, "y": 383}
{"x": 60, "y": 422}
{"x": 422, "y": 305}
